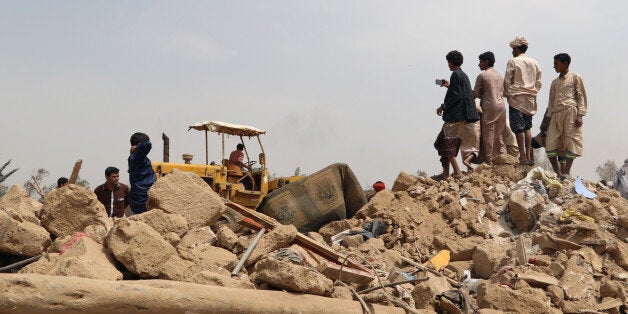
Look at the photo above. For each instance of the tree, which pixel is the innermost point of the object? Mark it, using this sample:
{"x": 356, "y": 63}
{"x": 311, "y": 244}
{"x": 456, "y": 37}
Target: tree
{"x": 37, "y": 178}
{"x": 606, "y": 171}
{"x": 4, "y": 176}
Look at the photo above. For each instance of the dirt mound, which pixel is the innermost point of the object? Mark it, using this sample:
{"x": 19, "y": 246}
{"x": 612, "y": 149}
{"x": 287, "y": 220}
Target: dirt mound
{"x": 502, "y": 238}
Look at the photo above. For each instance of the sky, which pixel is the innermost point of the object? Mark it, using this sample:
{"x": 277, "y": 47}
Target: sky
{"x": 330, "y": 81}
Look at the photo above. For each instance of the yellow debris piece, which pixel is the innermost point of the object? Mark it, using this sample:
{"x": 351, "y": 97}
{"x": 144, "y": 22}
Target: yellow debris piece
{"x": 439, "y": 260}
{"x": 572, "y": 212}
{"x": 549, "y": 183}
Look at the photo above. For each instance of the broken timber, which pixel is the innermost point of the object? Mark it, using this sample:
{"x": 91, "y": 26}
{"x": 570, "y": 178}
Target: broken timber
{"x": 330, "y": 266}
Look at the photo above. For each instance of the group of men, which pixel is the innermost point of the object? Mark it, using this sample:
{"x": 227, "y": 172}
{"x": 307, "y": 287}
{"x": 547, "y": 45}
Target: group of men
{"x": 479, "y": 130}
{"x": 116, "y": 196}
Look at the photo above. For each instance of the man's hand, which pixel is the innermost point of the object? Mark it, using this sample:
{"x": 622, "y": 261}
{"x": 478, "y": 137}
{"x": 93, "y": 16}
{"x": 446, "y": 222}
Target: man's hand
{"x": 445, "y": 83}
{"x": 133, "y": 148}
{"x": 439, "y": 110}
{"x": 578, "y": 121}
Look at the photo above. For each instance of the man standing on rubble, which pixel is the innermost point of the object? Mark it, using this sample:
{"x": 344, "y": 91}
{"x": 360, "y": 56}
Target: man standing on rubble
{"x": 621, "y": 180}
{"x": 458, "y": 112}
{"x": 141, "y": 174}
{"x": 567, "y": 105}
{"x": 522, "y": 83}
{"x": 113, "y": 194}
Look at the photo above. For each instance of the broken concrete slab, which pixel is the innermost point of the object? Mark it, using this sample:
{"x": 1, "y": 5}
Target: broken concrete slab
{"x": 215, "y": 279}
{"x": 525, "y": 206}
{"x": 291, "y": 277}
{"x": 225, "y": 237}
{"x": 403, "y": 182}
{"x": 281, "y": 236}
{"x": 488, "y": 256}
{"x": 538, "y": 280}
{"x": 207, "y": 257}
{"x": 528, "y": 300}
{"x": 85, "y": 258}
{"x": 163, "y": 222}
{"x": 186, "y": 194}
{"x": 22, "y": 237}
{"x": 198, "y": 236}
{"x": 71, "y": 209}
{"x": 139, "y": 247}
{"x": 20, "y": 205}
{"x": 378, "y": 203}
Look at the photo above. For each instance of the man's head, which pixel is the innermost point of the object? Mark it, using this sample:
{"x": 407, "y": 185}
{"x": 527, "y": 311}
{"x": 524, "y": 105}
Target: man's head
{"x": 454, "y": 59}
{"x": 240, "y": 147}
{"x": 112, "y": 175}
{"x": 561, "y": 63}
{"x": 487, "y": 60}
{"x": 63, "y": 181}
{"x": 519, "y": 45}
{"x": 139, "y": 137}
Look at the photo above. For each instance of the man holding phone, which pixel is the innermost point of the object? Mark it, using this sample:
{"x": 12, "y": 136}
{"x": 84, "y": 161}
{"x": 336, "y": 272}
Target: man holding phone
{"x": 458, "y": 112}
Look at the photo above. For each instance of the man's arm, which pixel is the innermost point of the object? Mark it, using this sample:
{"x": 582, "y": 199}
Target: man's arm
{"x": 538, "y": 82}
{"x": 550, "y": 103}
{"x": 508, "y": 77}
{"x": 477, "y": 90}
{"x": 142, "y": 149}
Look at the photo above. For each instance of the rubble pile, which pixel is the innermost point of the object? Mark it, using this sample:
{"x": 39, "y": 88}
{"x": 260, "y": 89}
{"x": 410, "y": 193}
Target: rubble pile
{"x": 502, "y": 239}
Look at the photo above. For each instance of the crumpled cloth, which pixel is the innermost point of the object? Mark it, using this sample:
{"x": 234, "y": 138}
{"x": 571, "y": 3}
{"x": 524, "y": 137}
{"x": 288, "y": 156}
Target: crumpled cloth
{"x": 572, "y": 212}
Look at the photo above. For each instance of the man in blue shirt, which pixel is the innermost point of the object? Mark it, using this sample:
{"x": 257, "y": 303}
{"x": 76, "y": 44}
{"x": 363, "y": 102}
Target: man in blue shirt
{"x": 141, "y": 174}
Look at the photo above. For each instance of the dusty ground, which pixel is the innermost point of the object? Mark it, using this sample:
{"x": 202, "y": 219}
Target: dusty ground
{"x": 503, "y": 230}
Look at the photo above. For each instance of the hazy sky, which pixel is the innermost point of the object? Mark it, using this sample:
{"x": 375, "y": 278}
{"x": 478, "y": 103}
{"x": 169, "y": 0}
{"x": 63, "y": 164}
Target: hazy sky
{"x": 330, "y": 81}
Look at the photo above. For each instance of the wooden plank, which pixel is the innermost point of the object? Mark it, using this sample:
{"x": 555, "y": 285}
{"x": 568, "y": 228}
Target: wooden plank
{"x": 75, "y": 171}
{"x": 300, "y": 239}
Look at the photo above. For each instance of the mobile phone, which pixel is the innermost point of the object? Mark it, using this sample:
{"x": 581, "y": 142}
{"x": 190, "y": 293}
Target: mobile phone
{"x": 440, "y": 82}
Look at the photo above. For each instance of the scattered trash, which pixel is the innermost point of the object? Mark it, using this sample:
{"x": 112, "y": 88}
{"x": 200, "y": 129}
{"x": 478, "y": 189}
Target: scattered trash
{"x": 581, "y": 189}
{"x": 571, "y": 212}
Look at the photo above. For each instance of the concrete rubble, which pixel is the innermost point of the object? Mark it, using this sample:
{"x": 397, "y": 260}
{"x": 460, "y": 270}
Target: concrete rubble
{"x": 515, "y": 245}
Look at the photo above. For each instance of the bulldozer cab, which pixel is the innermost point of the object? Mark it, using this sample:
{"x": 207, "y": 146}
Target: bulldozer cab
{"x": 240, "y": 185}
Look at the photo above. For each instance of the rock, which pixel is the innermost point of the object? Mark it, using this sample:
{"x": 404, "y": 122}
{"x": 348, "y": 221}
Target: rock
{"x": 342, "y": 292}
{"x": 163, "y": 222}
{"x": 505, "y": 159}
{"x": 403, "y": 182}
{"x": 613, "y": 289}
{"x": 577, "y": 280}
{"x": 353, "y": 240}
{"x": 529, "y": 300}
{"x": 525, "y": 205}
{"x": 278, "y": 238}
{"x": 488, "y": 256}
{"x": 591, "y": 257}
{"x": 372, "y": 245}
{"x": 214, "y": 279}
{"x": 225, "y": 237}
{"x": 425, "y": 292}
{"x": 316, "y": 237}
{"x": 97, "y": 232}
{"x": 490, "y": 311}
{"x": 212, "y": 258}
{"x": 538, "y": 280}
{"x": 22, "y": 238}
{"x": 186, "y": 194}
{"x": 331, "y": 229}
{"x": 71, "y": 209}
{"x": 291, "y": 277}
{"x": 198, "y": 236}
{"x": 460, "y": 249}
{"x": 458, "y": 267}
{"x": 619, "y": 253}
{"x": 509, "y": 172}
{"x": 173, "y": 238}
{"x": 85, "y": 258}
{"x": 20, "y": 205}
{"x": 556, "y": 294}
{"x": 623, "y": 221}
{"x": 378, "y": 203}
{"x": 140, "y": 248}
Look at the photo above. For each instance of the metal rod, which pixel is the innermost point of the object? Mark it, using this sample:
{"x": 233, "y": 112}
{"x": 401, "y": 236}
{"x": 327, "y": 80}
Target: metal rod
{"x": 166, "y": 140}
{"x": 20, "y": 263}
{"x": 206, "y": 150}
{"x": 248, "y": 252}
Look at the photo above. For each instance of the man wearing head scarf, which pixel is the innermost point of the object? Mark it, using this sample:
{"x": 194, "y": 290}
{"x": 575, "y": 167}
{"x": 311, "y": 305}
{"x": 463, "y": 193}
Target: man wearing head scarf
{"x": 621, "y": 180}
{"x": 522, "y": 83}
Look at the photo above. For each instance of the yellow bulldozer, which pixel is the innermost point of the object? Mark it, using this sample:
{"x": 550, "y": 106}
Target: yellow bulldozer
{"x": 246, "y": 188}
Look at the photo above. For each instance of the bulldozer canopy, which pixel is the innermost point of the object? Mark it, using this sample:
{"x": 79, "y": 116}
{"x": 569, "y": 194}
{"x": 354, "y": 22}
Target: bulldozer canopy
{"x": 227, "y": 128}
